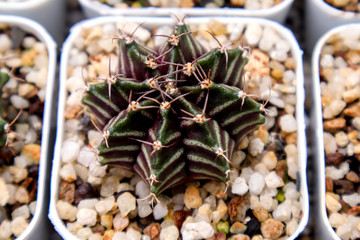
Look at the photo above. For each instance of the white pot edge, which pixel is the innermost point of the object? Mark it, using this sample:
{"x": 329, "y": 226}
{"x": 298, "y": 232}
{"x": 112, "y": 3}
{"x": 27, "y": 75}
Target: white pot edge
{"x": 301, "y": 139}
{"x": 278, "y": 12}
{"x": 319, "y": 150}
{"x": 26, "y": 5}
{"x": 40, "y": 32}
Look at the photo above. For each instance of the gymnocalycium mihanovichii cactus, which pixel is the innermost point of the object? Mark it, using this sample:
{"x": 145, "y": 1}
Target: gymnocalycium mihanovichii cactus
{"x": 4, "y": 77}
{"x": 174, "y": 114}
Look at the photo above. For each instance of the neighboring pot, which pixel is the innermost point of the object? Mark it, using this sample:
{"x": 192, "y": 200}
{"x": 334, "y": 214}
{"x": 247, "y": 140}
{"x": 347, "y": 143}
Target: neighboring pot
{"x": 49, "y": 13}
{"x": 69, "y": 50}
{"x": 321, "y": 17}
{"x": 94, "y": 8}
{"x": 36, "y": 227}
{"x": 325, "y": 170}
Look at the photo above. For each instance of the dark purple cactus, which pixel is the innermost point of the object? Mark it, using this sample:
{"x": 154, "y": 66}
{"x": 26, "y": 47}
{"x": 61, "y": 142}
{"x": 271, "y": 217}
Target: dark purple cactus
{"x": 174, "y": 114}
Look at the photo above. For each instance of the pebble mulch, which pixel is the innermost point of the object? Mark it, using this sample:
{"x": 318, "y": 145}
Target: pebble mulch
{"x": 247, "y": 4}
{"x": 263, "y": 200}
{"x": 340, "y": 97}
{"x": 26, "y": 59}
{"x": 345, "y": 5}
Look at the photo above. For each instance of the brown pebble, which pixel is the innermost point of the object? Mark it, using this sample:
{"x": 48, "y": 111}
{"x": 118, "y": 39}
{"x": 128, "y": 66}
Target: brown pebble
{"x": 291, "y": 138}
{"x": 261, "y": 214}
{"x": 281, "y": 168}
{"x": 352, "y": 176}
{"x": 67, "y": 191}
{"x": 153, "y": 230}
{"x": 180, "y": 216}
{"x": 108, "y": 235}
{"x": 352, "y": 135}
{"x": 353, "y": 110}
{"x": 220, "y": 236}
{"x": 334, "y": 125}
{"x": 272, "y": 228}
{"x": 343, "y": 187}
{"x": 186, "y": 4}
{"x": 329, "y": 184}
{"x": 85, "y": 190}
{"x": 334, "y": 158}
{"x": 72, "y": 111}
{"x": 32, "y": 152}
{"x": 290, "y": 63}
{"x": 354, "y": 211}
{"x": 238, "y": 207}
{"x": 238, "y": 227}
{"x": 192, "y": 197}
{"x": 237, "y": 3}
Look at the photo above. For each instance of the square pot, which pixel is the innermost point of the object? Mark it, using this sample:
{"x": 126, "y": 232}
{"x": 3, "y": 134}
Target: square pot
{"x": 36, "y": 227}
{"x": 70, "y": 53}
{"x": 277, "y": 13}
{"x": 321, "y": 17}
{"x": 324, "y": 134}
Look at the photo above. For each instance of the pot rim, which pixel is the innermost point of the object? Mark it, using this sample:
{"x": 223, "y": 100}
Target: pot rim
{"x": 26, "y": 5}
{"x": 333, "y": 11}
{"x": 274, "y": 12}
{"x": 319, "y": 130}
{"x": 156, "y": 21}
{"x": 39, "y": 32}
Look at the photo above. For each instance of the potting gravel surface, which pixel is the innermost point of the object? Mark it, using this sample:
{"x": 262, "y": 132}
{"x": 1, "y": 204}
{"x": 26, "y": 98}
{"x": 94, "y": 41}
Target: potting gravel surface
{"x": 340, "y": 93}
{"x": 247, "y": 4}
{"x": 345, "y": 5}
{"x": 26, "y": 59}
{"x": 130, "y": 184}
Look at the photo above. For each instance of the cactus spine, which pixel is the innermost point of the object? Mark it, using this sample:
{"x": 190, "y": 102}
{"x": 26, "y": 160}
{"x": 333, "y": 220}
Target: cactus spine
{"x": 175, "y": 114}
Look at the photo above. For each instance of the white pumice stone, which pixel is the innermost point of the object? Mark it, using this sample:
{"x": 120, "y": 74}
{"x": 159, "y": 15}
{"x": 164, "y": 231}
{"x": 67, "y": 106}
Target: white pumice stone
{"x": 86, "y": 217}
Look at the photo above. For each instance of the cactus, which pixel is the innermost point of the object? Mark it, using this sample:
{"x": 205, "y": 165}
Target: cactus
{"x": 175, "y": 114}
{"x": 3, "y": 124}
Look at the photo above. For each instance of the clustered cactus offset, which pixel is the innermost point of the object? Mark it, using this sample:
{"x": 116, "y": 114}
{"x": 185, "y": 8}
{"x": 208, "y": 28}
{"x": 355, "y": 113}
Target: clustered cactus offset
{"x": 175, "y": 114}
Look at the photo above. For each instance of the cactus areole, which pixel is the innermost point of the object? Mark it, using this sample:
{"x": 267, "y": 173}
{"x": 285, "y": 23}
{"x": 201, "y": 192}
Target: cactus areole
{"x": 174, "y": 114}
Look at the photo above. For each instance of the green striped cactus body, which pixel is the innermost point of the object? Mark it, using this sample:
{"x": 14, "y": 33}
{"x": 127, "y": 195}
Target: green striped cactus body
{"x": 174, "y": 114}
{"x": 4, "y": 77}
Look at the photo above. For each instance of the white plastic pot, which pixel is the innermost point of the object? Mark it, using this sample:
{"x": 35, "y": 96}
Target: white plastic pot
{"x": 37, "y": 226}
{"x": 325, "y": 231}
{"x": 321, "y": 17}
{"x": 152, "y": 23}
{"x": 49, "y": 13}
{"x": 94, "y": 8}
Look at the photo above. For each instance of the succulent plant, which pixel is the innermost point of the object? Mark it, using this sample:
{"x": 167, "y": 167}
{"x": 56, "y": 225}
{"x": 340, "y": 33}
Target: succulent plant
{"x": 4, "y": 77}
{"x": 174, "y": 114}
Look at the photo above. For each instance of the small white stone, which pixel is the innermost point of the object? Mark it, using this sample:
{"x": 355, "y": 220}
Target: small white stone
{"x": 19, "y": 174}
{"x": 105, "y": 205}
{"x": 19, "y": 102}
{"x": 95, "y": 138}
{"x": 132, "y": 234}
{"x": 88, "y": 203}
{"x": 66, "y": 211}
{"x": 330, "y": 144}
{"x": 356, "y": 122}
{"x": 5, "y": 42}
{"x": 109, "y": 186}
{"x": 272, "y": 180}
{"x": 5, "y": 229}
{"x": 143, "y": 208}
{"x": 78, "y": 59}
{"x": 22, "y": 195}
{"x": 169, "y": 233}
{"x": 163, "y": 30}
{"x": 337, "y": 219}
{"x": 5, "y": 195}
{"x": 86, "y": 217}
{"x": 22, "y": 211}
{"x": 67, "y": 172}
{"x": 84, "y": 233}
{"x": 253, "y": 34}
{"x": 197, "y": 231}
{"x": 141, "y": 189}
{"x": 283, "y": 45}
{"x": 86, "y": 156}
{"x": 247, "y": 173}
{"x": 81, "y": 172}
{"x": 332, "y": 204}
{"x": 73, "y": 227}
{"x": 291, "y": 227}
{"x": 160, "y": 211}
{"x": 283, "y": 212}
{"x": 18, "y": 226}
{"x": 96, "y": 169}
{"x": 119, "y": 236}
{"x": 327, "y": 61}
{"x": 337, "y": 173}
{"x": 261, "y": 168}
{"x": 239, "y": 186}
{"x": 341, "y": 139}
{"x": 266, "y": 201}
{"x": 236, "y": 32}
{"x": 288, "y": 123}
{"x": 278, "y": 55}
{"x": 256, "y": 183}
{"x": 256, "y": 146}
{"x": 291, "y": 192}
{"x": 237, "y": 158}
{"x": 12, "y": 188}
{"x": 70, "y": 151}
{"x": 352, "y": 199}
{"x": 126, "y": 203}
{"x": 32, "y": 207}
